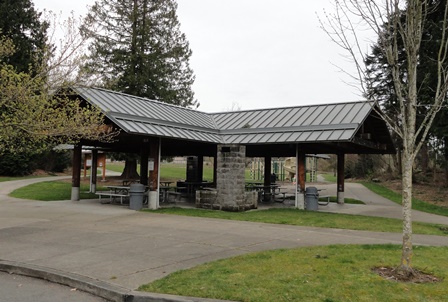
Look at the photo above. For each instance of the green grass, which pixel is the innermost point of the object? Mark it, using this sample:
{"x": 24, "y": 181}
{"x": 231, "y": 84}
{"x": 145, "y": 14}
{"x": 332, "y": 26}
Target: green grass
{"x": 116, "y": 167}
{"x": 51, "y": 191}
{"x": 312, "y": 219}
{"x": 334, "y": 199}
{"x": 396, "y": 197}
{"x": 8, "y": 178}
{"x": 324, "y": 273}
{"x": 330, "y": 177}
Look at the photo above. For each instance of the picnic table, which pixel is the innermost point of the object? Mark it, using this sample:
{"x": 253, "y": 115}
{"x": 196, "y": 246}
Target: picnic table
{"x": 114, "y": 193}
{"x": 164, "y": 192}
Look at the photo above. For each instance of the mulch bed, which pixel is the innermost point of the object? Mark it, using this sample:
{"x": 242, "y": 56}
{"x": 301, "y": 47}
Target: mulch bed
{"x": 416, "y": 276}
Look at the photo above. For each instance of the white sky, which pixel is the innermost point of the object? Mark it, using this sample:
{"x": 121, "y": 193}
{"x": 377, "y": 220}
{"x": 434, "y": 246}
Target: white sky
{"x": 251, "y": 54}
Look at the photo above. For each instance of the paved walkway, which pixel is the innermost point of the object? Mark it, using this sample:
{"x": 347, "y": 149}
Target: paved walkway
{"x": 126, "y": 248}
{"x": 375, "y": 205}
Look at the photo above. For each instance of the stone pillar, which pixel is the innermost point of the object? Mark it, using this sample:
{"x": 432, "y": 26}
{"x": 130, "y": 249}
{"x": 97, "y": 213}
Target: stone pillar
{"x": 340, "y": 178}
{"x": 230, "y": 182}
{"x": 76, "y": 172}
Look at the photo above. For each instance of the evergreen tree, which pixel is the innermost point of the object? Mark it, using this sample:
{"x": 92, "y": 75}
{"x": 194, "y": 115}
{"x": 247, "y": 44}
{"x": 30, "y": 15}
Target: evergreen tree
{"x": 380, "y": 80}
{"x": 20, "y": 22}
{"x": 138, "y": 48}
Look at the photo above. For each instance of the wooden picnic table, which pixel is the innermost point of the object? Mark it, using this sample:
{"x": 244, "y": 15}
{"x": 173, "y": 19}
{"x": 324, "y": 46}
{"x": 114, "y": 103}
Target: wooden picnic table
{"x": 114, "y": 192}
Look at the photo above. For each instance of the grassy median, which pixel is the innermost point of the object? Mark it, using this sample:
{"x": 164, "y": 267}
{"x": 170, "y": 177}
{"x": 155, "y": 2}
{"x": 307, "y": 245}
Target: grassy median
{"x": 323, "y": 273}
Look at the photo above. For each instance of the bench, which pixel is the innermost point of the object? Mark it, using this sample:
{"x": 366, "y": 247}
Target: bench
{"x": 177, "y": 195}
{"x": 112, "y": 196}
{"x": 283, "y": 193}
{"x": 324, "y": 203}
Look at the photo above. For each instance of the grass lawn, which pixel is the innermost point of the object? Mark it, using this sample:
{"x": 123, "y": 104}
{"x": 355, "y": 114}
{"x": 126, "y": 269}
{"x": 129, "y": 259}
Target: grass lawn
{"x": 8, "y": 178}
{"x": 51, "y": 191}
{"x": 330, "y": 177}
{"x": 323, "y": 273}
{"x": 396, "y": 197}
{"x": 313, "y": 219}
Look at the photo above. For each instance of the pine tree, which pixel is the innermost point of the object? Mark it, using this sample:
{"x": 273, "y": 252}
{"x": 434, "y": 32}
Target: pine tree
{"x": 138, "y": 48}
{"x": 20, "y": 22}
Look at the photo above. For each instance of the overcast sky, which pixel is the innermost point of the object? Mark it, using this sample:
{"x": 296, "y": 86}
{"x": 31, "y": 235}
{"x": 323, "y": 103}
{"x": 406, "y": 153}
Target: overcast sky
{"x": 251, "y": 54}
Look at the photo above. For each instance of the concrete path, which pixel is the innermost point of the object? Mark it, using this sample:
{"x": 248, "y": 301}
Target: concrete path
{"x": 375, "y": 205}
{"x": 16, "y": 288}
{"x": 126, "y": 248}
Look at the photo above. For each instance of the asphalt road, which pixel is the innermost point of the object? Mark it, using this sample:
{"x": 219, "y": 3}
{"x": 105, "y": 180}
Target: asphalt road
{"x": 16, "y": 288}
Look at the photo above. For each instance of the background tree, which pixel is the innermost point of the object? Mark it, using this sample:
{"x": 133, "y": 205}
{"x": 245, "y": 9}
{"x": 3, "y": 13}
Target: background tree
{"x": 33, "y": 120}
{"x": 138, "y": 49}
{"x": 381, "y": 86}
{"x": 21, "y": 23}
{"x": 399, "y": 26}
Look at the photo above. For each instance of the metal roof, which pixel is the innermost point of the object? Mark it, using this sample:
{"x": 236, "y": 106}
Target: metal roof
{"x": 318, "y": 123}
{"x": 302, "y": 124}
{"x": 148, "y": 117}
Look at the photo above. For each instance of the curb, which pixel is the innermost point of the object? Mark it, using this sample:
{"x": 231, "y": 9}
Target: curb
{"x": 95, "y": 287}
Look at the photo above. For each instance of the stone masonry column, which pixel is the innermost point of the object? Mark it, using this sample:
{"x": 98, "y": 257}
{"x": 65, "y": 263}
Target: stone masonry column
{"x": 230, "y": 182}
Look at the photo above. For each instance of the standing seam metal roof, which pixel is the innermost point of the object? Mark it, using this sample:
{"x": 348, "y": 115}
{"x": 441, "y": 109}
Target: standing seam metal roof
{"x": 316, "y": 123}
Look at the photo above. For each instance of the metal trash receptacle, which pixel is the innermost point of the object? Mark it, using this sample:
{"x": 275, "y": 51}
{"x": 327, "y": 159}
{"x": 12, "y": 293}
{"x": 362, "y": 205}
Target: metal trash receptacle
{"x": 311, "y": 198}
{"x": 136, "y": 196}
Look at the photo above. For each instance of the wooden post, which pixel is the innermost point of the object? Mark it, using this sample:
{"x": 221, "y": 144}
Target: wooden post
{"x": 154, "y": 175}
{"x": 76, "y": 172}
{"x": 301, "y": 171}
{"x": 144, "y": 157}
{"x": 340, "y": 178}
{"x": 200, "y": 168}
{"x": 300, "y": 179}
{"x": 267, "y": 178}
{"x": 94, "y": 171}
{"x": 154, "y": 149}
{"x": 215, "y": 167}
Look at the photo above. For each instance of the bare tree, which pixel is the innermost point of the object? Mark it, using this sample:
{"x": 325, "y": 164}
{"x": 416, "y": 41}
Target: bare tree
{"x": 398, "y": 25}
{"x": 65, "y": 54}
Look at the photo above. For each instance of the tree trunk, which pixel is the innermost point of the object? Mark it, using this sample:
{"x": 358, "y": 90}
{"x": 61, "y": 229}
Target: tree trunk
{"x": 130, "y": 169}
{"x": 445, "y": 156}
{"x": 406, "y": 256}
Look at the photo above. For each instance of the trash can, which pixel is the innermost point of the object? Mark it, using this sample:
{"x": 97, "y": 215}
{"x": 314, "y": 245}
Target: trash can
{"x": 136, "y": 195}
{"x": 311, "y": 199}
